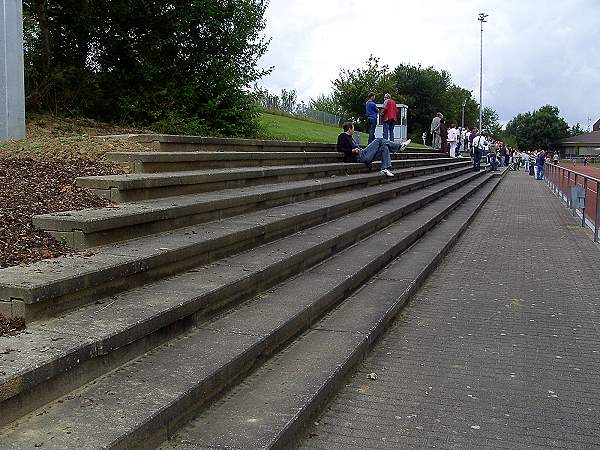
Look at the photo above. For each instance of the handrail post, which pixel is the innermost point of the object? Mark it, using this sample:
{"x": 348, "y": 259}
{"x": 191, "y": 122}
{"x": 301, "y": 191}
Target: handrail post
{"x": 574, "y": 207}
{"x": 597, "y": 211}
{"x": 585, "y": 182}
{"x": 568, "y": 187}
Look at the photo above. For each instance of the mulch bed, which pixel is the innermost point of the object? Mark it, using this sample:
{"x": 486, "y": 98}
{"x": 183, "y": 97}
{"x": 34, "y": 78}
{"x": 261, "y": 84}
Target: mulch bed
{"x": 29, "y": 187}
{"x": 11, "y": 327}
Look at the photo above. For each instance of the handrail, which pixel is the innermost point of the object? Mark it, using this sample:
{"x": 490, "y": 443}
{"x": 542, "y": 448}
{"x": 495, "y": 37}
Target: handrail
{"x": 573, "y": 171}
{"x": 560, "y": 185}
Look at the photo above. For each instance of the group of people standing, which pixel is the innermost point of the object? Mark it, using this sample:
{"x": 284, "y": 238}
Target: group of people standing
{"x": 389, "y": 116}
{"x": 451, "y": 140}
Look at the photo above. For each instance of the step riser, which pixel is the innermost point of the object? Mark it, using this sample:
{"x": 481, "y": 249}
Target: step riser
{"x": 78, "y": 239}
{"x": 190, "y": 147}
{"x": 160, "y": 165}
{"x": 141, "y": 272}
{"x": 204, "y": 307}
{"x": 204, "y": 184}
{"x": 161, "y": 427}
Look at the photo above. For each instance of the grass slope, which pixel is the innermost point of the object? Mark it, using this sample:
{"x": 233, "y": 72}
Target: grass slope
{"x": 290, "y": 129}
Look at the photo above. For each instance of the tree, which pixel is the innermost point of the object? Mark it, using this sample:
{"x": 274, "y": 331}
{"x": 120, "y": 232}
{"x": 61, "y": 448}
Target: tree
{"x": 184, "y": 66}
{"x": 352, "y": 87}
{"x": 328, "y": 104}
{"x": 576, "y": 130}
{"x": 540, "y": 129}
{"x": 490, "y": 122}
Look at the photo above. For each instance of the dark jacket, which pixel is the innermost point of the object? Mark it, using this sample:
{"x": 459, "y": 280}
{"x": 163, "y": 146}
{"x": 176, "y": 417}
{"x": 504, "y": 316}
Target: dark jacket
{"x": 540, "y": 159}
{"x": 345, "y": 145}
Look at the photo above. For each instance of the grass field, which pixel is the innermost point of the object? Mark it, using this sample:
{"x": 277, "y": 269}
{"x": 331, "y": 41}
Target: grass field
{"x": 290, "y": 129}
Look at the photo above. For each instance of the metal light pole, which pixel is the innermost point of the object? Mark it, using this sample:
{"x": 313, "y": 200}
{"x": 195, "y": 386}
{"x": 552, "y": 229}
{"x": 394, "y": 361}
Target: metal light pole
{"x": 12, "y": 87}
{"x": 462, "y": 125}
{"x": 481, "y": 18}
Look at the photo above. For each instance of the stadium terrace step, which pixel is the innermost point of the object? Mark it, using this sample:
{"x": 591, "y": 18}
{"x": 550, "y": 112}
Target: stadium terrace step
{"x": 93, "y": 227}
{"x": 276, "y": 403}
{"x": 51, "y": 286}
{"x": 135, "y": 187}
{"x": 97, "y": 330}
{"x": 171, "y": 383}
{"x": 156, "y": 162}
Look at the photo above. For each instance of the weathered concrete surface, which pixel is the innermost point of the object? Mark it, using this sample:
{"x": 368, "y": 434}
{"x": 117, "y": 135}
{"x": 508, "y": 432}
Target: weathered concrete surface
{"x": 93, "y": 227}
{"x": 59, "y": 284}
{"x": 219, "y": 352}
{"x": 143, "y": 186}
{"x": 137, "y": 313}
{"x": 499, "y": 350}
{"x": 271, "y": 407}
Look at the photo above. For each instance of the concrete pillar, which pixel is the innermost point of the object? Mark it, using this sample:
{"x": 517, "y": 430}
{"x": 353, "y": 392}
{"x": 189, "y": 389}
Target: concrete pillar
{"x": 12, "y": 84}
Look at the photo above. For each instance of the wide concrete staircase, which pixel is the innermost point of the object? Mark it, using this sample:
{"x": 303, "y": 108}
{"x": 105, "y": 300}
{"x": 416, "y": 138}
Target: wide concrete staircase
{"x": 226, "y": 298}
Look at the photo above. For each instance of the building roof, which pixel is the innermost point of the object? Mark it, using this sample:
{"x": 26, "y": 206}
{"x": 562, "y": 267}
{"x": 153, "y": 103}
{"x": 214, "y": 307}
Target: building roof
{"x": 586, "y": 139}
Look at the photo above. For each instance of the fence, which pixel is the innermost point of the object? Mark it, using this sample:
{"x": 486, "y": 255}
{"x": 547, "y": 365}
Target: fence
{"x": 578, "y": 191}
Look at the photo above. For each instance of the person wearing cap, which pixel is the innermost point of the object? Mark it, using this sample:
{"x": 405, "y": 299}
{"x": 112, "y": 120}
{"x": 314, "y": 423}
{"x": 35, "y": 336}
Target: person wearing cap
{"x": 390, "y": 116}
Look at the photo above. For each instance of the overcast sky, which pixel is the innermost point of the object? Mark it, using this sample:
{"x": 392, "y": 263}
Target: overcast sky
{"x": 535, "y": 51}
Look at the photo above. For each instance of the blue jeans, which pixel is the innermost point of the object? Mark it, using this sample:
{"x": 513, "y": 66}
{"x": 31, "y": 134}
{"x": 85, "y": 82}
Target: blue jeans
{"x": 493, "y": 162}
{"x": 540, "y": 172}
{"x": 388, "y": 129}
{"x": 378, "y": 149}
{"x": 476, "y": 159}
{"x": 372, "y": 126}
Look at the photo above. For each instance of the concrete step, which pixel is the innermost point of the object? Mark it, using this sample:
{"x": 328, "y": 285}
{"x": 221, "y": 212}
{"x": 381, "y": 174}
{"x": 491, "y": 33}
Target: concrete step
{"x": 93, "y": 227}
{"x": 172, "y": 143}
{"x": 272, "y": 407}
{"x": 147, "y": 399}
{"x": 156, "y": 162}
{"x": 50, "y": 286}
{"x": 135, "y": 187}
{"x": 59, "y": 353}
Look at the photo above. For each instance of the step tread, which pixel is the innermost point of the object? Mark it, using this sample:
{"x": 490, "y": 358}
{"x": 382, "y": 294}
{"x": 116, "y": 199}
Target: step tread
{"x": 205, "y": 352}
{"x": 307, "y": 372}
{"x": 46, "y": 279}
{"x": 136, "y": 212}
{"x": 153, "y": 180}
{"x": 51, "y": 346}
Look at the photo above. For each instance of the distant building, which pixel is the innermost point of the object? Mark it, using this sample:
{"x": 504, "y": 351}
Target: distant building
{"x": 587, "y": 144}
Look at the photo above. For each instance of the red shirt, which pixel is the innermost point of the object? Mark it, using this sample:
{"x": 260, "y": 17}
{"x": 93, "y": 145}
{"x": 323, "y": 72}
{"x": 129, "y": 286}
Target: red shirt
{"x": 390, "y": 111}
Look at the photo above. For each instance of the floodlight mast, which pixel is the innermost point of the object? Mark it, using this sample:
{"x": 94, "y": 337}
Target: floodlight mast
{"x": 482, "y": 18}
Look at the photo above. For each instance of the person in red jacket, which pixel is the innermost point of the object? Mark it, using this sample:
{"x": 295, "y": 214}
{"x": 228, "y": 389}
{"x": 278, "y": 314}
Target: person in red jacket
{"x": 390, "y": 116}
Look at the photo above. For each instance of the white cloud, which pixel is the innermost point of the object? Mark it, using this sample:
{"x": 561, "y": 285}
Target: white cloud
{"x": 535, "y": 51}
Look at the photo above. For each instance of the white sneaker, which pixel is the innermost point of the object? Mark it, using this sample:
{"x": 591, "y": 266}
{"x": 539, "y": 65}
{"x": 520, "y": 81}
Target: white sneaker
{"x": 404, "y": 145}
{"x": 387, "y": 173}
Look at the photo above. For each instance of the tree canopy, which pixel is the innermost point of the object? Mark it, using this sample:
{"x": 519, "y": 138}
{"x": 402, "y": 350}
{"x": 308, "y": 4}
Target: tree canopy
{"x": 539, "y": 129}
{"x": 183, "y": 66}
{"x": 426, "y": 91}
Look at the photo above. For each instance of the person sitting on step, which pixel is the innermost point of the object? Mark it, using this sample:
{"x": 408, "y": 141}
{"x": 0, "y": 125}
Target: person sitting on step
{"x": 378, "y": 149}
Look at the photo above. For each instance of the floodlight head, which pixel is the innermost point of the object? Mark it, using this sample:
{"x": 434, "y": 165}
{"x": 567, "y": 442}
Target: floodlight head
{"x": 482, "y": 17}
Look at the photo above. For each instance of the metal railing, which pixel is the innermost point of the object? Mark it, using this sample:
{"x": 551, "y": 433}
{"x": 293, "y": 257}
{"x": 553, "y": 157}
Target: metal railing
{"x": 578, "y": 191}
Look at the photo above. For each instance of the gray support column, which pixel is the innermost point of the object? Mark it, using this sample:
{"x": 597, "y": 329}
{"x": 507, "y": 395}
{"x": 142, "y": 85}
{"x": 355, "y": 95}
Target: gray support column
{"x": 12, "y": 84}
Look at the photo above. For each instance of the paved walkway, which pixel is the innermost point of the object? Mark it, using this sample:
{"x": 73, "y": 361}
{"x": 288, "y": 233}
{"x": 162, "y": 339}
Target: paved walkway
{"x": 500, "y": 349}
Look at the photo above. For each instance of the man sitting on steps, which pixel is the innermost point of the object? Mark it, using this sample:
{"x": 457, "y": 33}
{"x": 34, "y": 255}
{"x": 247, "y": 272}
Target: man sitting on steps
{"x": 378, "y": 149}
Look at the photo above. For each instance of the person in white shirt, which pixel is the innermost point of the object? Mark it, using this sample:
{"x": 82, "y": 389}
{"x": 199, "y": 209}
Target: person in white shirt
{"x": 453, "y": 135}
{"x": 479, "y": 146}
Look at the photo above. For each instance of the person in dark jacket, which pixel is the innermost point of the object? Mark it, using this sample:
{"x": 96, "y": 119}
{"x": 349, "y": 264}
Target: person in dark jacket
{"x": 372, "y": 115}
{"x": 444, "y": 136}
{"x": 378, "y": 149}
{"x": 540, "y": 159}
